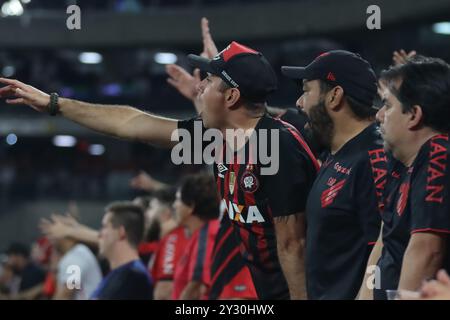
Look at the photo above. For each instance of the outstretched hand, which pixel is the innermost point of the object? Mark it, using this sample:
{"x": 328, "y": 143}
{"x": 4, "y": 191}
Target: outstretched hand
{"x": 18, "y": 92}
{"x": 185, "y": 83}
{"x": 58, "y": 226}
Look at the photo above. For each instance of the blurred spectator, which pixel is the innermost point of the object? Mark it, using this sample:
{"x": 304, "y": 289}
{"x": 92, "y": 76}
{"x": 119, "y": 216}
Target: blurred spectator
{"x": 29, "y": 273}
{"x": 197, "y": 209}
{"x": 171, "y": 246}
{"x": 121, "y": 233}
{"x": 41, "y": 251}
{"x": 9, "y": 282}
{"x": 74, "y": 254}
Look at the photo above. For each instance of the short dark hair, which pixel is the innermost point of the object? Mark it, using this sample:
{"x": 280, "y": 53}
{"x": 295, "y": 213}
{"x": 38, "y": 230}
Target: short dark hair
{"x": 20, "y": 249}
{"x": 131, "y": 217}
{"x": 360, "y": 110}
{"x": 199, "y": 191}
{"x": 247, "y": 103}
{"x": 425, "y": 81}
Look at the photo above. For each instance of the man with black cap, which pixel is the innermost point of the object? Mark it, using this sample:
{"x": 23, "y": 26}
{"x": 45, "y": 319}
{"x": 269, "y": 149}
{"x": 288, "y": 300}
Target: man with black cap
{"x": 265, "y": 210}
{"x": 342, "y": 212}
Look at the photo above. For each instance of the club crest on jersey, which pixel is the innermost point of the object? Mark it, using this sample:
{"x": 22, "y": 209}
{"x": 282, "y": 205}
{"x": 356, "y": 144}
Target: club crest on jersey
{"x": 221, "y": 169}
{"x": 249, "y": 182}
{"x": 328, "y": 196}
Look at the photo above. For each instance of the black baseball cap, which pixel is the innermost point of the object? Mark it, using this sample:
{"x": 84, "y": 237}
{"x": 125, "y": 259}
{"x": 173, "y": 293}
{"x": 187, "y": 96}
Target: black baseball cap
{"x": 343, "y": 68}
{"x": 240, "y": 67}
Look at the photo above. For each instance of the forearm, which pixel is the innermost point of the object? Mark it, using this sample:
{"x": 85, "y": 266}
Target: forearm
{"x": 30, "y": 294}
{"x": 418, "y": 265}
{"x": 163, "y": 290}
{"x": 192, "y": 291}
{"x": 366, "y": 290}
{"x": 85, "y": 234}
{"x": 119, "y": 121}
{"x": 293, "y": 265}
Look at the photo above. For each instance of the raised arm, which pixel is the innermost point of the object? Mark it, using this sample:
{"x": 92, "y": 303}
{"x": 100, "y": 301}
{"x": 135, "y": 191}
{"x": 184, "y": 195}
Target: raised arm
{"x": 120, "y": 121}
{"x": 185, "y": 83}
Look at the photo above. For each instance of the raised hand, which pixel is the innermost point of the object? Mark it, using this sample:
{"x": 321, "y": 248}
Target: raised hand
{"x": 18, "y": 92}
{"x": 209, "y": 47}
{"x": 185, "y": 83}
{"x": 57, "y": 226}
{"x": 400, "y": 57}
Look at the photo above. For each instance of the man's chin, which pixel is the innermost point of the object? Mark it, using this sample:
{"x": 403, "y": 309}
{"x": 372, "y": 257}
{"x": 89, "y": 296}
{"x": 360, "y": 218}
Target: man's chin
{"x": 387, "y": 146}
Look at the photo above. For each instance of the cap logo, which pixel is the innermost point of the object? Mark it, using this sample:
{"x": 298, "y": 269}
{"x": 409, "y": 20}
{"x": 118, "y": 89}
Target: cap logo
{"x": 235, "y": 48}
{"x": 331, "y": 76}
{"x": 231, "y": 81}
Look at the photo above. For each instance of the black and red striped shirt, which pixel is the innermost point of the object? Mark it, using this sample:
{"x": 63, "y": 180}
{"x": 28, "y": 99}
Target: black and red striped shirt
{"x": 252, "y": 200}
{"x": 227, "y": 263}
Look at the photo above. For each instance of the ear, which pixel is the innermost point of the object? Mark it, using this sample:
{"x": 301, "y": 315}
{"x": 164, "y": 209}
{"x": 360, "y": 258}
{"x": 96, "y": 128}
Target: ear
{"x": 334, "y": 97}
{"x": 122, "y": 233}
{"x": 231, "y": 97}
{"x": 415, "y": 117}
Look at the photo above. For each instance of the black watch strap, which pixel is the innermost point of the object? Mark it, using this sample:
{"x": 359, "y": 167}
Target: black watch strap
{"x": 53, "y": 107}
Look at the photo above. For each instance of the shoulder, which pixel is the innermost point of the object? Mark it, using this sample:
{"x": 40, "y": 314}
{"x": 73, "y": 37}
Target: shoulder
{"x": 188, "y": 124}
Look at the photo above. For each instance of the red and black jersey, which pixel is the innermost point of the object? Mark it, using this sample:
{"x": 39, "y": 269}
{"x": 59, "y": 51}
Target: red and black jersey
{"x": 194, "y": 264}
{"x": 343, "y": 217}
{"x": 170, "y": 249}
{"x": 418, "y": 201}
{"x": 253, "y": 200}
{"x": 228, "y": 268}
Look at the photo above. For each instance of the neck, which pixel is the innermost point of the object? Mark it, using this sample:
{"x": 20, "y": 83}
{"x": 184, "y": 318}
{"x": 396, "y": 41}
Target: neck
{"x": 66, "y": 245}
{"x": 123, "y": 253}
{"x": 242, "y": 119}
{"x": 168, "y": 226}
{"x": 194, "y": 224}
{"x": 407, "y": 152}
{"x": 346, "y": 130}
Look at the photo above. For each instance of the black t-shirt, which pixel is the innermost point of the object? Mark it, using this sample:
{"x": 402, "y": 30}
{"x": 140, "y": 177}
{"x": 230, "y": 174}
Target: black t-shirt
{"x": 342, "y": 216}
{"x": 418, "y": 201}
{"x": 252, "y": 200}
{"x": 130, "y": 281}
{"x": 31, "y": 276}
